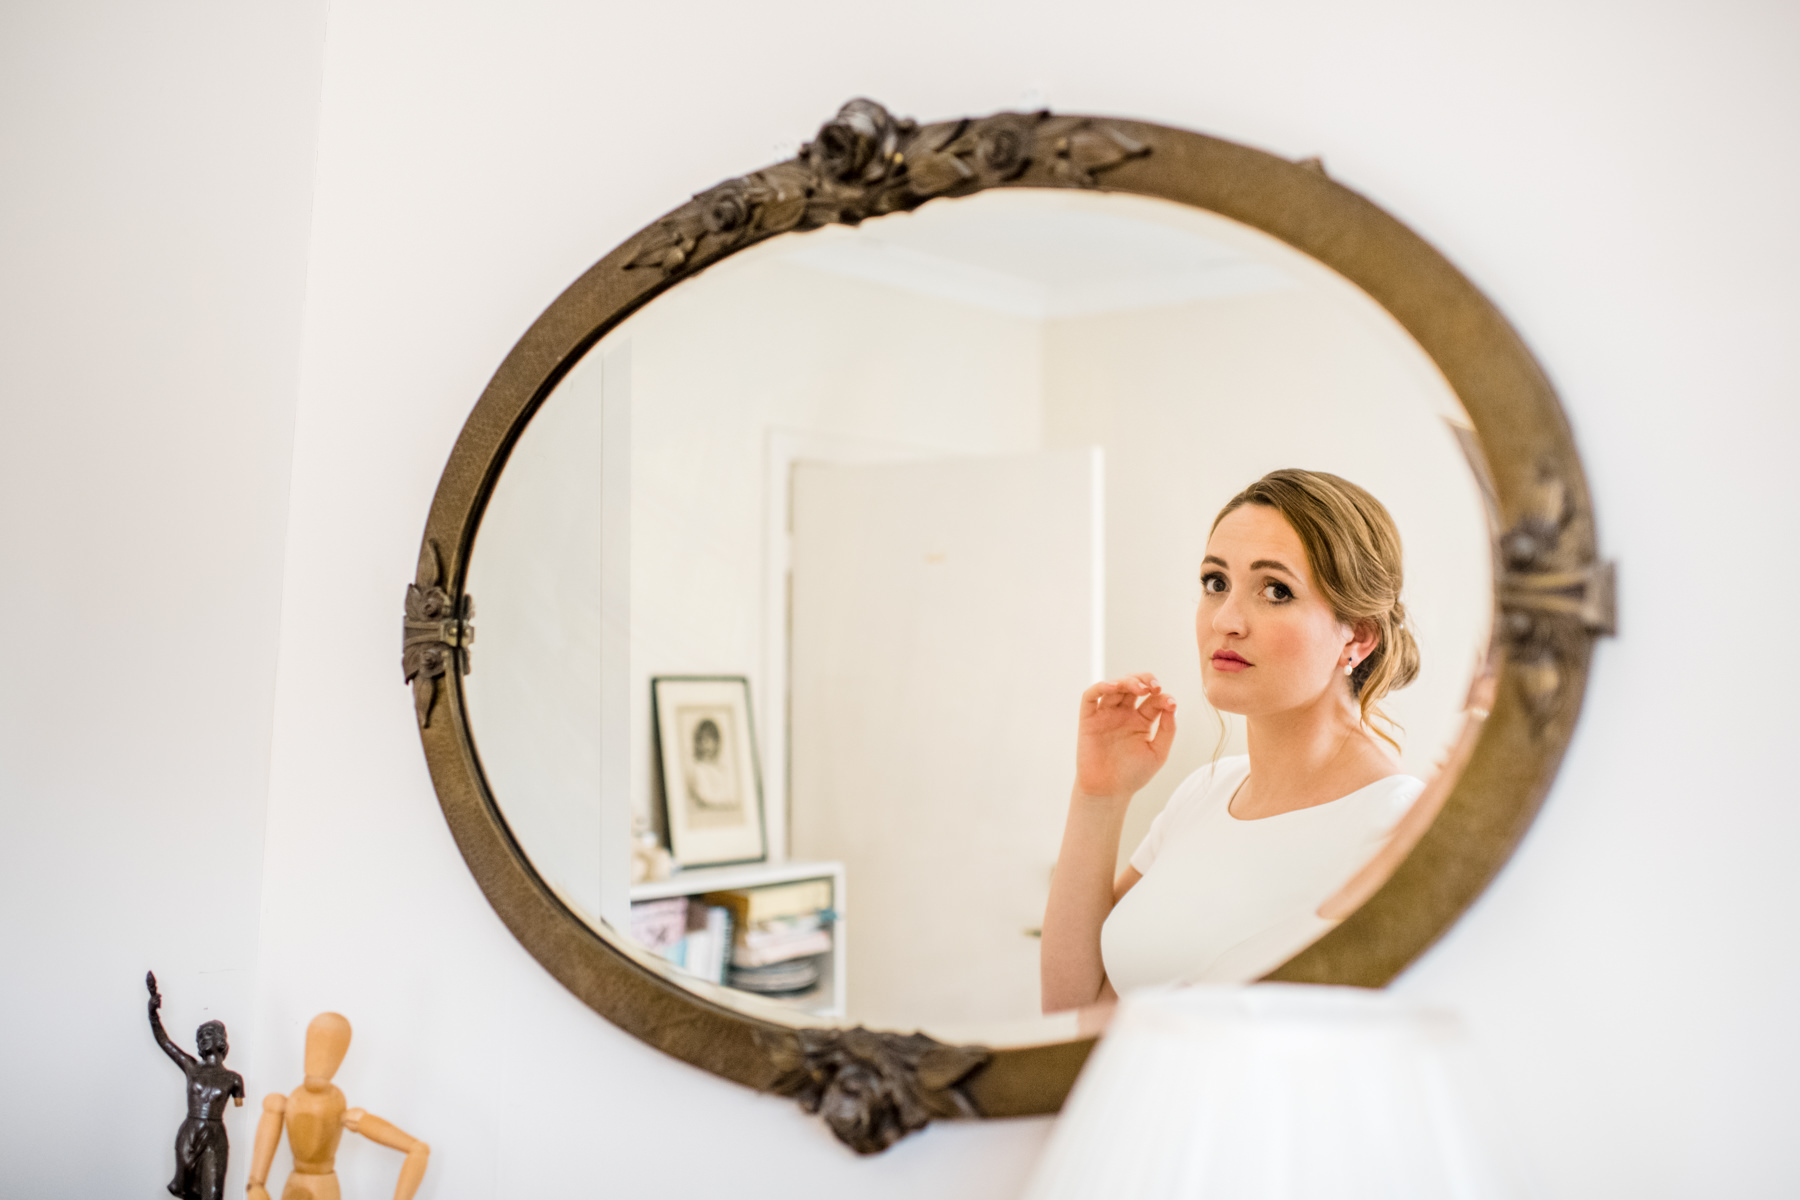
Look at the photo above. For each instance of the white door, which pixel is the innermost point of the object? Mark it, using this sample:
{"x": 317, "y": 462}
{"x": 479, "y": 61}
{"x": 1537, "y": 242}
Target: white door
{"x": 946, "y": 616}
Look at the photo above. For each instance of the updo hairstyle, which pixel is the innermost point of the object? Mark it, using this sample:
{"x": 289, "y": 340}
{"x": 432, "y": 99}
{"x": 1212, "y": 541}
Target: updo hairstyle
{"x": 1353, "y": 550}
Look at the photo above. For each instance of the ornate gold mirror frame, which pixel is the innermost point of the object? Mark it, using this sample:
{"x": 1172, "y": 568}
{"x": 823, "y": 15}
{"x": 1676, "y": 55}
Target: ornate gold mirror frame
{"x": 1553, "y": 595}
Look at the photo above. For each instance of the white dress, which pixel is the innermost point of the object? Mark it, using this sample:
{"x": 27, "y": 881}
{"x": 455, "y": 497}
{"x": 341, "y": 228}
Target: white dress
{"x": 1224, "y": 900}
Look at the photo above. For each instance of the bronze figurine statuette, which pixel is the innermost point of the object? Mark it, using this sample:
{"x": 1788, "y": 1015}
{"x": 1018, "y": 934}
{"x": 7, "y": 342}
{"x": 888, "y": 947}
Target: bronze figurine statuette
{"x": 201, "y": 1148}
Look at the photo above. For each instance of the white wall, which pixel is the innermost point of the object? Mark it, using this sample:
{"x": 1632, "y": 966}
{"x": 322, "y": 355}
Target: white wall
{"x": 1614, "y": 175}
{"x": 155, "y": 181}
{"x": 765, "y": 347}
{"x": 944, "y": 612}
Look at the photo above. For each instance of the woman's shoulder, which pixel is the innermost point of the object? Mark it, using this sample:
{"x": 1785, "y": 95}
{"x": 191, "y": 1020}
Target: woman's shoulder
{"x": 1408, "y": 786}
{"x": 1390, "y": 796}
{"x": 1389, "y": 787}
{"x": 1224, "y": 775}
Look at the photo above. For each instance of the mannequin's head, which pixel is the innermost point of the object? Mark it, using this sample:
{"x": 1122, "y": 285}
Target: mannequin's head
{"x": 327, "y": 1041}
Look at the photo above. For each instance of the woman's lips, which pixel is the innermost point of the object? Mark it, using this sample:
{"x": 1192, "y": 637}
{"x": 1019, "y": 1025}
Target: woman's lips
{"x": 1225, "y": 660}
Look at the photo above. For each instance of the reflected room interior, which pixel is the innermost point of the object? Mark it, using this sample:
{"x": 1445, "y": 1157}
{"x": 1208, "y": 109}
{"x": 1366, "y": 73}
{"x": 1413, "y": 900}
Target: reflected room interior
{"x": 896, "y": 494}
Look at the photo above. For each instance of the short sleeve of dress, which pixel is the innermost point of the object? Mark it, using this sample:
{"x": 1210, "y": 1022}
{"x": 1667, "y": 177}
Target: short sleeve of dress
{"x": 1406, "y": 792}
{"x": 1189, "y": 792}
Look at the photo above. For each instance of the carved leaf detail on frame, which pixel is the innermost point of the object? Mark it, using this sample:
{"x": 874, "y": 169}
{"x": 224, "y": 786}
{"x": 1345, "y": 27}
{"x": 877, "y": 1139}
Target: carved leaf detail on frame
{"x": 865, "y": 162}
{"x": 437, "y": 634}
{"x": 872, "y": 1089}
{"x": 1091, "y": 148}
{"x": 1550, "y": 608}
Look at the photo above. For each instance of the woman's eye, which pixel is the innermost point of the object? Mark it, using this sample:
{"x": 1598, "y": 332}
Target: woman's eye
{"x": 1212, "y": 583}
{"x": 1276, "y": 591}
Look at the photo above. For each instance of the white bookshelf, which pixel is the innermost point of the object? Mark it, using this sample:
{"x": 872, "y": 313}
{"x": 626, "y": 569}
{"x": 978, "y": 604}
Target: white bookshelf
{"x": 741, "y": 875}
{"x": 829, "y": 998}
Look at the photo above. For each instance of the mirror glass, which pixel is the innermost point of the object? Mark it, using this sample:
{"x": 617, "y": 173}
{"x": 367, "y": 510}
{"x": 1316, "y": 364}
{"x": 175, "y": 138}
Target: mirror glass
{"x": 788, "y": 594}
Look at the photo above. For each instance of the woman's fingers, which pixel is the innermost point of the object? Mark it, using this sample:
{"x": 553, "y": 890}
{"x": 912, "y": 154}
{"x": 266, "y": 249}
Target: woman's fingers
{"x": 1132, "y": 688}
{"x": 1115, "y": 692}
{"x": 1121, "y": 714}
{"x": 1096, "y": 693}
{"x": 1165, "y": 728}
{"x": 1156, "y": 703}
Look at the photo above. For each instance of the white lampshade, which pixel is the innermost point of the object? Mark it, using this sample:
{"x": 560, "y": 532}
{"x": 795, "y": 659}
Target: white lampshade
{"x": 1269, "y": 1092}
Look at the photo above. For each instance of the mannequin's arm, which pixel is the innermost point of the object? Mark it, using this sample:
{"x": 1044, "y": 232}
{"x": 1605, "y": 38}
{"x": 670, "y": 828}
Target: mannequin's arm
{"x": 268, "y": 1136}
{"x": 412, "y": 1171}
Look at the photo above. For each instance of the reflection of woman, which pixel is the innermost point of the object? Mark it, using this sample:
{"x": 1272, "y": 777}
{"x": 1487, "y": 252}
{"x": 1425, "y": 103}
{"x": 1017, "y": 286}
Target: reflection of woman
{"x": 709, "y": 780}
{"x": 1301, "y": 630}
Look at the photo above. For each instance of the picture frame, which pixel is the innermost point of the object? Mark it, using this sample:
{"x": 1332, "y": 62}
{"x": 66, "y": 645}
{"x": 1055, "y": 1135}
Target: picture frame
{"x": 710, "y": 773}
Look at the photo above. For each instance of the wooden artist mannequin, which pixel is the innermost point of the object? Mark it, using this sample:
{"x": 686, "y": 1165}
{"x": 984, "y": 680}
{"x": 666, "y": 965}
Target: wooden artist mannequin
{"x": 316, "y": 1117}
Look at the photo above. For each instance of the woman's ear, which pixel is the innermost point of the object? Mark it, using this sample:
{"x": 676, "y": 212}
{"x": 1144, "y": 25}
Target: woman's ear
{"x": 1364, "y": 637}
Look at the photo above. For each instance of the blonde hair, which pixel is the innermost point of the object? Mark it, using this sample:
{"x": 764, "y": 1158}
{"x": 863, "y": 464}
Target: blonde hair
{"x": 1353, "y": 549}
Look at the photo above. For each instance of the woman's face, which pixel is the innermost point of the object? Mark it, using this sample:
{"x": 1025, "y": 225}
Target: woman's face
{"x": 1269, "y": 643}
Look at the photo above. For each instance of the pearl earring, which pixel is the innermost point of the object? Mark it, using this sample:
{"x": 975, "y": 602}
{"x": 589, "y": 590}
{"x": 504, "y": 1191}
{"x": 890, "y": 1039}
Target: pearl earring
{"x": 1350, "y": 666}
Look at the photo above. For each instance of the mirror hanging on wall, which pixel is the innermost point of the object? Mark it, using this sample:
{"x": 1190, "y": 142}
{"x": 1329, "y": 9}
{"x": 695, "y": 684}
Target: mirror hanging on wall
{"x": 832, "y": 539}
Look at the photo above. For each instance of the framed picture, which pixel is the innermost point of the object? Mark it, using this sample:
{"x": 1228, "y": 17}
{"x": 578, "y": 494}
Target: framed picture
{"x": 711, "y": 781}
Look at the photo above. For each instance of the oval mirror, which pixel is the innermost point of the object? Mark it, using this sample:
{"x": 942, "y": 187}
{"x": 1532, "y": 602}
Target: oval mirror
{"x": 796, "y": 582}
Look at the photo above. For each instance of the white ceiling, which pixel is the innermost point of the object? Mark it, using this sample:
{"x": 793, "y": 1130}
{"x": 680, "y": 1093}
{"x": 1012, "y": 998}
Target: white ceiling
{"x": 1039, "y": 261}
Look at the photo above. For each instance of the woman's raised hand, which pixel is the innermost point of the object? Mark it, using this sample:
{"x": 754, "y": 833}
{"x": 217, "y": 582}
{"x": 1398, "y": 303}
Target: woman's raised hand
{"x": 1127, "y": 727}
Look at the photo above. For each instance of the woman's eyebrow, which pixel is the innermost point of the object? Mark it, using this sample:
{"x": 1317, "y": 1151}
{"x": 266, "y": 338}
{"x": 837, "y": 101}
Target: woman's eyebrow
{"x": 1270, "y": 564}
{"x": 1213, "y": 558}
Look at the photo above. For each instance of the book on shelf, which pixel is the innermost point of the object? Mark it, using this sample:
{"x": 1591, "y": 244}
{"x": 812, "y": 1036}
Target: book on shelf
{"x": 754, "y": 905}
{"x": 772, "y": 940}
{"x": 782, "y": 934}
{"x": 691, "y": 935}
{"x": 658, "y": 924}
{"x": 709, "y": 943}
{"x": 760, "y": 950}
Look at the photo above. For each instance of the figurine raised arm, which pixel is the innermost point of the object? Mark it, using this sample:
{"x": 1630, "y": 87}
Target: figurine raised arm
{"x": 200, "y": 1145}
{"x": 316, "y": 1116}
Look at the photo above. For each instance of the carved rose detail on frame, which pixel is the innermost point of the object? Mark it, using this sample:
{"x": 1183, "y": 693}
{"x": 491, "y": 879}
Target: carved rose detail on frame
{"x": 1005, "y": 144}
{"x": 858, "y": 145}
{"x": 865, "y": 163}
{"x": 726, "y": 208}
{"x": 1550, "y": 609}
{"x": 438, "y": 633}
{"x": 872, "y": 1089}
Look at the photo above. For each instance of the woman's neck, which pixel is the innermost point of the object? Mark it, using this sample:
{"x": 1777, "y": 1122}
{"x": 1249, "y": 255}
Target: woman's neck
{"x": 1308, "y": 756}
